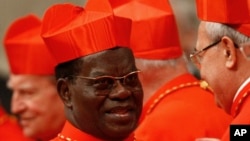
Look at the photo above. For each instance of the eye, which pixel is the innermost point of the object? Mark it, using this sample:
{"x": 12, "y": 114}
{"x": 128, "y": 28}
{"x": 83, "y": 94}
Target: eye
{"x": 131, "y": 79}
{"x": 103, "y": 83}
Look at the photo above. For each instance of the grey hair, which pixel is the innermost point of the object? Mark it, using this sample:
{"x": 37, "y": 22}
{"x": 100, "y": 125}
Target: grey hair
{"x": 156, "y": 64}
{"x": 218, "y": 30}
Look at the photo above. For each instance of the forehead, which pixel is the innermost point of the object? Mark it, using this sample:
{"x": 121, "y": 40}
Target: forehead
{"x": 110, "y": 61}
{"x": 202, "y": 31}
{"x": 203, "y": 36}
{"x": 25, "y": 81}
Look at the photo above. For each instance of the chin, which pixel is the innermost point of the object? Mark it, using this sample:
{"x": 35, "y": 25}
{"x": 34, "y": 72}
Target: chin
{"x": 119, "y": 133}
{"x": 29, "y": 133}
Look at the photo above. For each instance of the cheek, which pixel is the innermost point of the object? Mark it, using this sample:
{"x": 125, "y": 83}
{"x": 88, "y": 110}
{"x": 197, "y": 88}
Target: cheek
{"x": 85, "y": 103}
{"x": 51, "y": 95}
{"x": 53, "y": 102}
{"x": 44, "y": 100}
{"x": 213, "y": 72}
{"x": 36, "y": 106}
{"x": 87, "y": 109}
{"x": 214, "y": 75}
{"x": 209, "y": 70}
{"x": 138, "y": 95}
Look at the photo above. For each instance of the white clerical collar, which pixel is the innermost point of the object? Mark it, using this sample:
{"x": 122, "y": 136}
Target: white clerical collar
{"x": 241, "y": 87}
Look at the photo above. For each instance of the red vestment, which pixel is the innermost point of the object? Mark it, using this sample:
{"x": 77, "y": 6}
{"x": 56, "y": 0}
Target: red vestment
{"x": 240, "y": 110}
{"x": 69, "y": 132}
{"x": 9, "y": 128}
{"x": 181, "y": 111}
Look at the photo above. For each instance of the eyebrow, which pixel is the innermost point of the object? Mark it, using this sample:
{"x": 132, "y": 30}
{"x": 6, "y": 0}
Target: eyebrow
{"x": 97, "y": 73}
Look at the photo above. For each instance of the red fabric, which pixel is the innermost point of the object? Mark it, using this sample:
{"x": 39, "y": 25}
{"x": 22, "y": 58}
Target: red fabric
{"x": 25, "y": 49}
{"x": 183, "y": 115}
{"x": 154, "y": 32}
{"x": 243, "y": 114}
{"x": 231, "y": 12}
{"x": 237, "y": 102}
{"x": 243, "y": 28}
{"x": 70, "y": 132}
{"x": 72, "y": 32}
{"x": 9, "y": 129}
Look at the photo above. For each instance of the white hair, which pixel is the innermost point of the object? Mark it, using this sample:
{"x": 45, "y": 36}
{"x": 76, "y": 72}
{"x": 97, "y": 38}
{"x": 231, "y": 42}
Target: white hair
{"x": 146, "y": 64}
{"x": 218, "y": 30}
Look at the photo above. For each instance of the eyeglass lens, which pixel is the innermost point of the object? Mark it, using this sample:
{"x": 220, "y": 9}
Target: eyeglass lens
{"x": 105, "y": 83}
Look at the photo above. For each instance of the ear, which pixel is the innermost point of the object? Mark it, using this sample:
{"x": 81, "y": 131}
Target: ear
{"x": 64, "y": 93}
{"x": 229, "y": 51}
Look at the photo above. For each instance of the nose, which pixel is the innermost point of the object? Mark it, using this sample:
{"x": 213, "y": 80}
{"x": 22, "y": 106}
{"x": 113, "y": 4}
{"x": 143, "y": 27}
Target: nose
{"x": 17, "y": 104}
{"x": 119, "y": 92}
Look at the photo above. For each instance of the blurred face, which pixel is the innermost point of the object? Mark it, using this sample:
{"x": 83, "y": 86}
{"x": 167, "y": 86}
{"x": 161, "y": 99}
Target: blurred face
{"x": 215, "y": 66}
{"x": 106, "y": 108}
{"x": 37, "y": 104}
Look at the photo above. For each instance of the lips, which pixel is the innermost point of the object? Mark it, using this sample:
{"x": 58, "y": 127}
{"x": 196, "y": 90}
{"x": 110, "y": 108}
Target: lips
{"x": 123, "y": 114}
{"x": 24, "y": 121}
{"x": 120, "y": 110}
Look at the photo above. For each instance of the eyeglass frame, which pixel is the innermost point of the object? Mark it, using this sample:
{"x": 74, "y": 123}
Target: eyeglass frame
{"x": 121, "y": 78}
{"x": 196, "y": 53}
{"x": 212, "y": 45}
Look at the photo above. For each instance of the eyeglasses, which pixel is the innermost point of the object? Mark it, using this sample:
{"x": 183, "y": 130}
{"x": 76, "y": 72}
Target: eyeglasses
{"x": 196, "y": 58}
{"x": 103, "y": 84}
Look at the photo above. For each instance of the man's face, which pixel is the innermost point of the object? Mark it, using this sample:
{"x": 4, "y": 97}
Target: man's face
{"x": 213, "y": 68}
{"x": 38, "y": 106}
{"x": 102, "y": 108}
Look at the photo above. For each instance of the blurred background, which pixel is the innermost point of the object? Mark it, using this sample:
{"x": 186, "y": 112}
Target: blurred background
{"x": 184, "y": 10}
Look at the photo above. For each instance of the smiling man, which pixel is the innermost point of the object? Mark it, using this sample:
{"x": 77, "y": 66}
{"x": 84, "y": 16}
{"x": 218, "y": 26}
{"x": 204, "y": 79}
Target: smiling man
{"x": 96, "y": 74}
{"x": 172, "y": 96}
{"x": 35, "y": 99}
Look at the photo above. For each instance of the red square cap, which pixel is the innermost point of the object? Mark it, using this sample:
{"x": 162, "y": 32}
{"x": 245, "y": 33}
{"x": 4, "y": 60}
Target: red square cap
{"x": 154, "y": 33}
{"x": 234, "y": 13}
{"x": 72, "y": 32}
{"x": 26, "y": 51}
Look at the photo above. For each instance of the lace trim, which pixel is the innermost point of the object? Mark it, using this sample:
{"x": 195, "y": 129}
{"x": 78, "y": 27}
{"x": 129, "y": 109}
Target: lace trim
{"x": 236, "y": 110}
{"x": 62, "y": 137}
{"x": 175, "y": 88}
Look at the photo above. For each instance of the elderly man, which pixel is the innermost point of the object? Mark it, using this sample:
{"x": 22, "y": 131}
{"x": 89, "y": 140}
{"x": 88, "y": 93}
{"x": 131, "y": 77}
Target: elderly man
{"x": 220, "y": 55}
{"x": 35, "y": 99}
{"x": 96, "y": 74}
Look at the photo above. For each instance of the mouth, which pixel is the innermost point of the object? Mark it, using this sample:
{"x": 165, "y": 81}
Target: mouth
{"x": 120, "y": 111}
{"x": 25, "y": 121}
{"x": 121, "y": 114}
